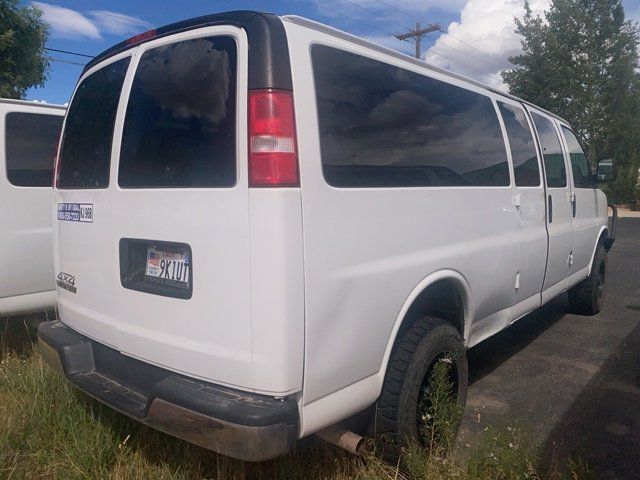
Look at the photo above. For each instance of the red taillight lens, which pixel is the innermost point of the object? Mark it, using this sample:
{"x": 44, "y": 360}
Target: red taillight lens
{"x": 273, "y": 161}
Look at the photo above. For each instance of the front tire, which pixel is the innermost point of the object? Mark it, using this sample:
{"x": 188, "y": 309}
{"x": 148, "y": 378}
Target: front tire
{"x": 587, "y": 297}
{"x": 424, "y": 343}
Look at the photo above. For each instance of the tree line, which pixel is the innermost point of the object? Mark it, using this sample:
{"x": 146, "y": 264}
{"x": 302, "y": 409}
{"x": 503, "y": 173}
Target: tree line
{"x": 580, "y": 61}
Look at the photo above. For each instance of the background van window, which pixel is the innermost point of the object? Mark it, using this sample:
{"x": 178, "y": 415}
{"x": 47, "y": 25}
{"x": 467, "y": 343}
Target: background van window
{"x": 31, "y": 146}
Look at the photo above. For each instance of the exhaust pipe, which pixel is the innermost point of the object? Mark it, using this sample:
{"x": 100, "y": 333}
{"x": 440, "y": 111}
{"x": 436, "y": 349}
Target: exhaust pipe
{"x": 343, "y": 438}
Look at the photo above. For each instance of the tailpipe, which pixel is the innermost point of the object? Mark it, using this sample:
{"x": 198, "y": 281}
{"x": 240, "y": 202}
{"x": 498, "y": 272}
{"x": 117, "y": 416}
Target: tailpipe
{"x": 343, "y": 438}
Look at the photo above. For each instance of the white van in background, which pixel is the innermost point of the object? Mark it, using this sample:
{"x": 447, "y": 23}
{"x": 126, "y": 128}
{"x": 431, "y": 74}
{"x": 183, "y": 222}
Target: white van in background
{"x": 266, "y": 225}
{"x": 29, "y": 134}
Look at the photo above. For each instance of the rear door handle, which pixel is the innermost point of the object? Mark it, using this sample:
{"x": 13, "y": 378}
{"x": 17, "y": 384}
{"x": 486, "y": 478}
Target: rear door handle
{"x": 573, "y": 203}
{"x": 550, "y": 209}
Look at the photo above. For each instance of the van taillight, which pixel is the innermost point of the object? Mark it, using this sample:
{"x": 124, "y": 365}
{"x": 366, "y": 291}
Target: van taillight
{"x": 273, "y": 160}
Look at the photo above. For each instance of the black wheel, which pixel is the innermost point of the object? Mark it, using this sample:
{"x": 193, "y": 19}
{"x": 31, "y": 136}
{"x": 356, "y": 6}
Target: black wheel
{"x": 399, "y": 419}
{"x": 587, "y": 297}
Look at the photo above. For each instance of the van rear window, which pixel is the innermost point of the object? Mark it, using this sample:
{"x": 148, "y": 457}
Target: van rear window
{"x": 180, "y": 126}
{"x": 31, "y": 143}
{"x": 383, "y": 126}
{"x": 88, "y": 131}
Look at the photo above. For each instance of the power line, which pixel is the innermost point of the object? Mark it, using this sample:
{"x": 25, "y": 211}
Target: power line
{"x": 341, "y": 14}
{"x": 494, "y": 59}
{"x": 370, "y": 11}
{"x": 349, "y": 16}
{"x": 122, "y": 16}
{"x": 68, "y": 52}
{"x": 418, "y": 34}
{"x": 59, "y": 60}
{"x": 399, "y": 10}
{"x": 469, "y": 54}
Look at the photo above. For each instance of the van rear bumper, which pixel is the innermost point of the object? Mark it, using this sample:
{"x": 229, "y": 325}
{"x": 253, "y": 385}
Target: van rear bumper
{"x": 238, "y": 424}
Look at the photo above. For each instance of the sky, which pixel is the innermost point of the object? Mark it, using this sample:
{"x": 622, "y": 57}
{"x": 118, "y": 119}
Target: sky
{"x": 476, "y": 39}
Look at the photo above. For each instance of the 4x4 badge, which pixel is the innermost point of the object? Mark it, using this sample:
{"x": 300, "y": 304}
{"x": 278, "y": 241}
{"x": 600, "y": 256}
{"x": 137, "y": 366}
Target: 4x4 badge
{"x": 67, "y": 281}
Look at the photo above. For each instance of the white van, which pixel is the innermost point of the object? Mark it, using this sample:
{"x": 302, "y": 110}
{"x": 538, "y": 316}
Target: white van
{"x": 29, "y": 134}
{"x": 266, "y": 225}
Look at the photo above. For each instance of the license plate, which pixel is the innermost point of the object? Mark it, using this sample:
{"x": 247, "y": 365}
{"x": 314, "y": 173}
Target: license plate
{"x": 168, "y": 267}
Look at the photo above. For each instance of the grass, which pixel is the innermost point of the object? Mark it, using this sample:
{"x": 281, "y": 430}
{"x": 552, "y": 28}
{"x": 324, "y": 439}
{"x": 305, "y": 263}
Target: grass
{"x": 49, "y": 430}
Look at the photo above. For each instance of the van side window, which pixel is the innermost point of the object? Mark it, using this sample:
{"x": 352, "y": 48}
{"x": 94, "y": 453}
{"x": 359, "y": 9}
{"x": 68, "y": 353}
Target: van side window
{"x": 383, "y": 126}
{"x": 88, "y": 132}
{"x": 555, "y": 170}
{"x": 579, "y": 163}
{"x": 523, "y": 147}
{"x": 180, "y": 125}
{"x": 31, "y": 146}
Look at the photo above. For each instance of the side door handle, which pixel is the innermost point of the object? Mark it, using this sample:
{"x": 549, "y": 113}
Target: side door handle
{"x": 573, "y": 203}
{"x": 550, "y": 209}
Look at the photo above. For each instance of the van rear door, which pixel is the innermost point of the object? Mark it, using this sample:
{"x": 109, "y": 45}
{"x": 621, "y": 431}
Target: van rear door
{"x": 152, "y": 248}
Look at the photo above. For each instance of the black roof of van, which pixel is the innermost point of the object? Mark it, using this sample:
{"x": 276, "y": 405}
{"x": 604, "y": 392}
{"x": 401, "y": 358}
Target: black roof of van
{"x": 265, "y": 33}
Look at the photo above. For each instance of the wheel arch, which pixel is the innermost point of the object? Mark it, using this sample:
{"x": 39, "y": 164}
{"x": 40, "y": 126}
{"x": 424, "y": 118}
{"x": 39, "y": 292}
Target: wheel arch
{"x": 602, "y": 235}
{"x": 440, "y": 285}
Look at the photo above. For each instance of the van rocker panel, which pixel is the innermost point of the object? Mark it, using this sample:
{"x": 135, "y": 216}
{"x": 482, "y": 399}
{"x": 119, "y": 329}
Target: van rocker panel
{"x": 238, "y": 424}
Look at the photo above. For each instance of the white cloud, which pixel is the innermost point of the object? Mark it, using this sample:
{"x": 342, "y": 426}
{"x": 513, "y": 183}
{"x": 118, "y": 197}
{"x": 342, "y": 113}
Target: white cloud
{"x": 67, "y": 23}
{"x": 480, "y": 44}
{"x": 118, "y": 23}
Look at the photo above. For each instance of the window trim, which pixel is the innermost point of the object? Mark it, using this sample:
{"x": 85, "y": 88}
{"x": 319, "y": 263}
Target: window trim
{"x": 3, "y": 125}
{"x": 531, "y": 112}
{"x": 522, "y": 106}
{"x": 241, "y": 101}
{"x": 413, "y": 68}
{"x": 91, "y": 71}
{"x": 565, "y": 147}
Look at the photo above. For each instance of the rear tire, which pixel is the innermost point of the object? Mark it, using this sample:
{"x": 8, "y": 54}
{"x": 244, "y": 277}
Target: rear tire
{"x": 427, "y": 340}
{"x": 587, "y": 297}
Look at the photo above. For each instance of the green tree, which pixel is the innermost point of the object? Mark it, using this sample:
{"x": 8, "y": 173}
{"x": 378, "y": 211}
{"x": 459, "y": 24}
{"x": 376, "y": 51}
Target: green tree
{"x": 580, "y": 61}
{"x": 23, "y": 63}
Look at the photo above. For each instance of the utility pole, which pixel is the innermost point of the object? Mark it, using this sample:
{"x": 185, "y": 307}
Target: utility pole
{"x": 417, "y": 34}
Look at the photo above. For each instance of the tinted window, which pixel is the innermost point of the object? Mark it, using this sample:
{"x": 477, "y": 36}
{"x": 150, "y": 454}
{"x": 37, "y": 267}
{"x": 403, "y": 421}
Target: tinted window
{"x": 523, "y": 147}
{"x": 555, "y": 170}
{"x": 31, "y": 141}
{"x": 88, "y": 132}
{"x": 579, "y": 163}
{"x": 382, "y": 126}
{"x": 180, "y": 127}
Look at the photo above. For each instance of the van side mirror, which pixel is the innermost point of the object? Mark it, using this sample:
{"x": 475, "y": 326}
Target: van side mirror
{"x": 605, "y": 171}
